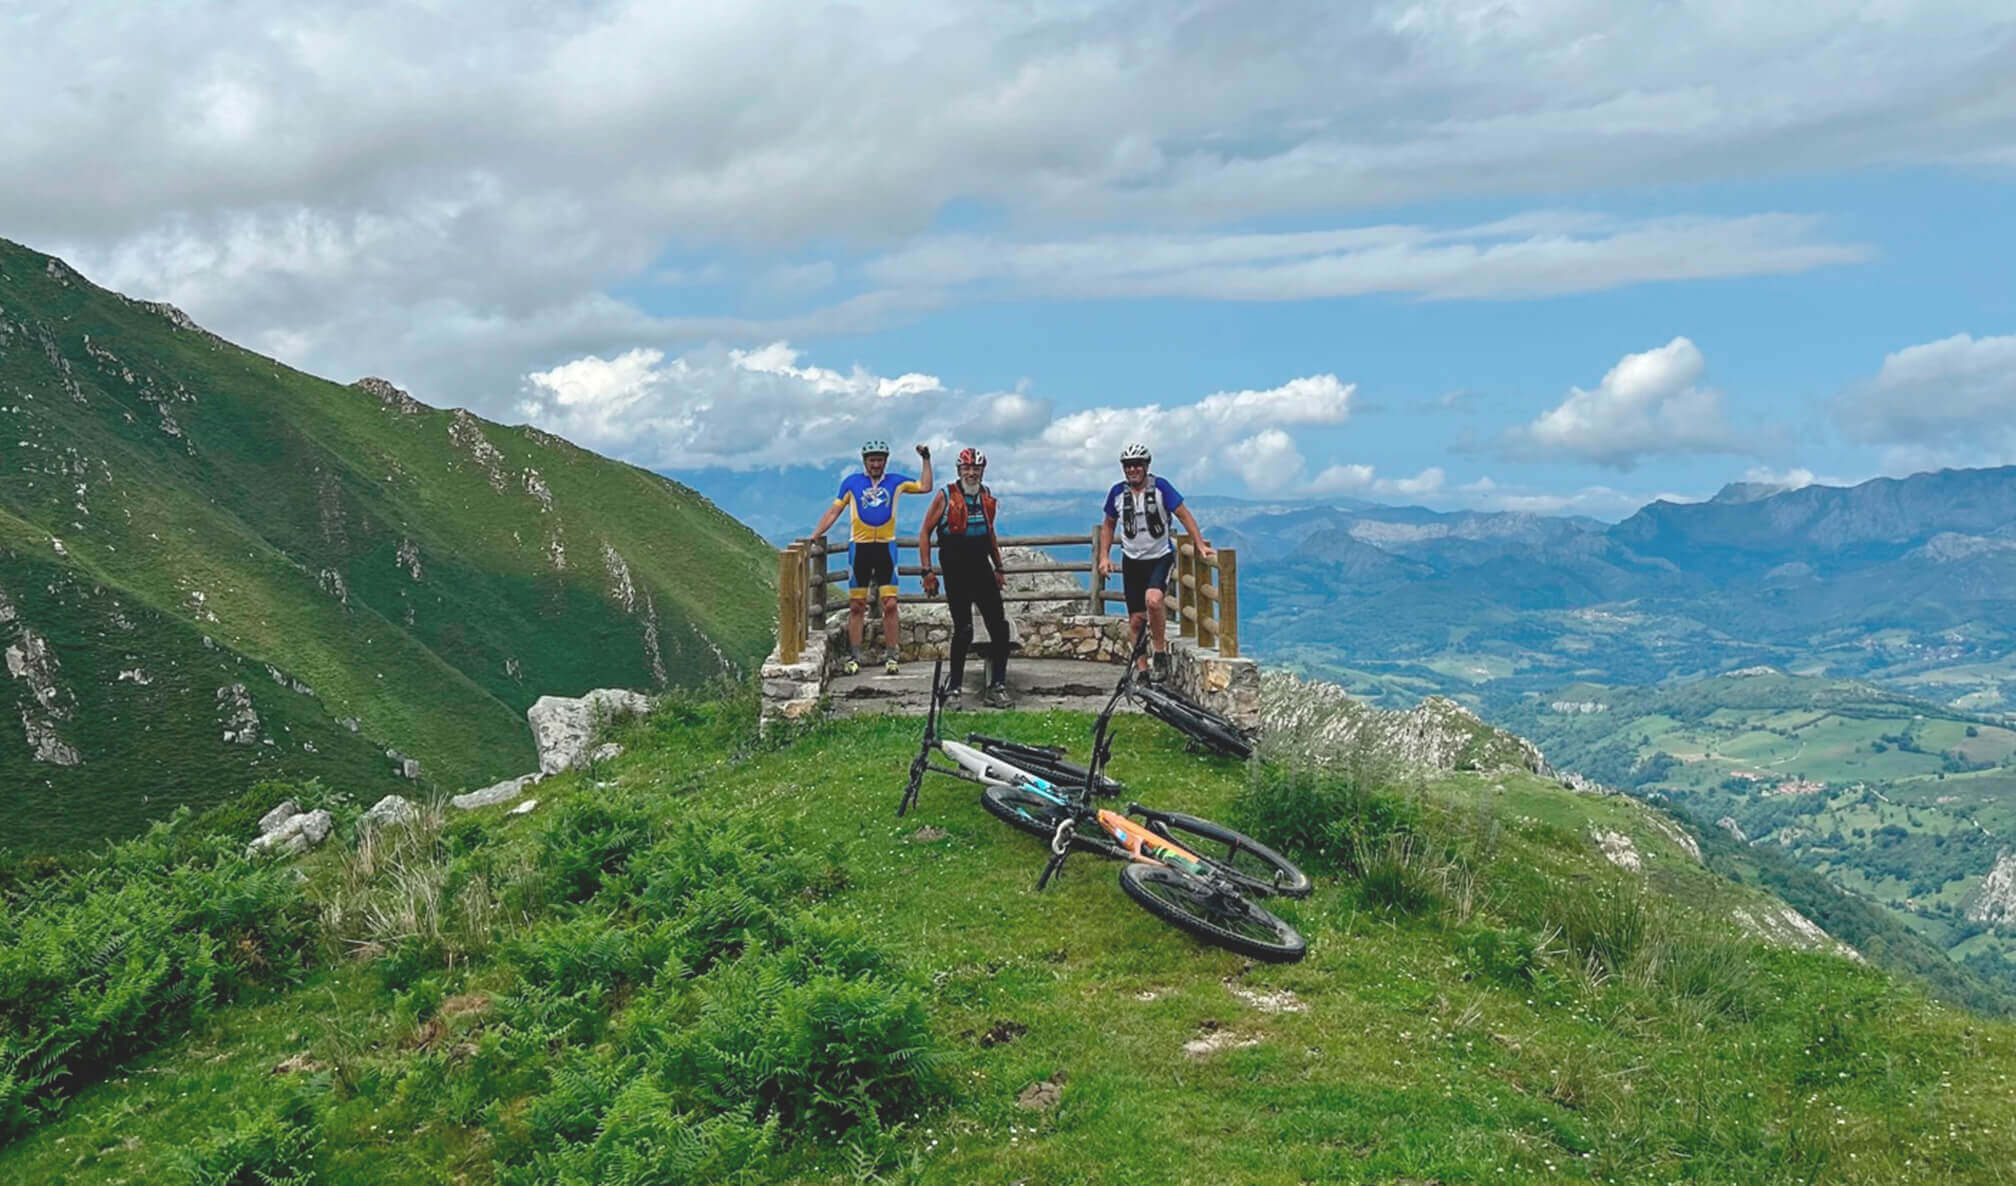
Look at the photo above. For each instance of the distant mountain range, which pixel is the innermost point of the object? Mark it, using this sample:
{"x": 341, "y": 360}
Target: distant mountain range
{"x": 1911, "y": 581}
{"x": 216, "y": 570}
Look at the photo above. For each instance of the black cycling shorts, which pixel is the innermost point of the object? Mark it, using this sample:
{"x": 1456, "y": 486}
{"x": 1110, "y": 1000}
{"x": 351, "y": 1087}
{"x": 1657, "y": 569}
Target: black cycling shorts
{"x": 872, "y": 566}
{"x": 1139, "y": 576}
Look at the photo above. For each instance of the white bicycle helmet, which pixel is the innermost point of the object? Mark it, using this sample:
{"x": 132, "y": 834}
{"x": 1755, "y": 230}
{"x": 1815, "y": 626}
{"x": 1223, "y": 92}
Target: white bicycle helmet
{"x": 1134, "y": 452}
{"x": 874, "y": 445}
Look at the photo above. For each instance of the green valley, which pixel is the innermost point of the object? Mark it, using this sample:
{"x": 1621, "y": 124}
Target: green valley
{"x": 1902, "y": 801}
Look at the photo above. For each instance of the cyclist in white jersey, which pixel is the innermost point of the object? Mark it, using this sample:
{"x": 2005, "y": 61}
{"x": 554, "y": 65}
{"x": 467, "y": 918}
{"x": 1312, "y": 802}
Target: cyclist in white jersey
{"x": 1141, "y": 506}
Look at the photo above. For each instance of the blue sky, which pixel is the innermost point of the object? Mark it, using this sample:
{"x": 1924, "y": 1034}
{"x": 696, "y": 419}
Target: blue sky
{"x": 1544, "y": 255}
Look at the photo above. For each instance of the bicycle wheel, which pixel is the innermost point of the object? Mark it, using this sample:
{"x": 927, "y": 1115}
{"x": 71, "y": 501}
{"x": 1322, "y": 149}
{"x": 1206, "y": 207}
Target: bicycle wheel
{"x": 1245, "y": 860}
{"x": 1199, "y": 724}
{"x": 1216, "y": 915}
{"x": 1038, "y": 816}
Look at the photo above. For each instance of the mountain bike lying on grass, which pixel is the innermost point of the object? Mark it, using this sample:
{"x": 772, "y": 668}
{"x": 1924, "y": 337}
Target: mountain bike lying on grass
{"x": 1194, "y": 874}
{"x": 1050, "y": 762}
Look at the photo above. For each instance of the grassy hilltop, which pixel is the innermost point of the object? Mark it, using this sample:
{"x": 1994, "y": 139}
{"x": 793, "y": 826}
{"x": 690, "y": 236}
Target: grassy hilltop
{"x": 723, "y": 959}
{"x": 179, "y": 516}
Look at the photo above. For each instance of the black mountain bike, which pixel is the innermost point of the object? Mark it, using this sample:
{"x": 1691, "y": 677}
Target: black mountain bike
{"x": 1208, "y": 729}
{"x": 1196, "y": 875}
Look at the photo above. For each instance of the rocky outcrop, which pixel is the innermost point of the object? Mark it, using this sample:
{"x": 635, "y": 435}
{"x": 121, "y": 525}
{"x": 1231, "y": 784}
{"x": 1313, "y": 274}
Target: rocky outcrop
{"x": 1617, "y": 849}
{"x": 389, "y": 397}
{"x": 30, "y": 658}
{"x": 563, "y": 727}
{"x": 391, "y": 811}
{"x": 1995, "y": 899}
{"x": 1322, "y": 722}
{"x": 295, "y": 833}
{"x": 1782, "y": 926}
{"x": 496, "y": 792}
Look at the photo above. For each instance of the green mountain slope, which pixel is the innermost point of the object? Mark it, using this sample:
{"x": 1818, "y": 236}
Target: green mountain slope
{"x": 426, "y": 574}
{"x": 718, "y": 959}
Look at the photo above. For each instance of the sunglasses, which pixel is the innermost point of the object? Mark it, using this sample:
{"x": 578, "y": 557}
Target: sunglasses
{"x": 1133, "y": 465}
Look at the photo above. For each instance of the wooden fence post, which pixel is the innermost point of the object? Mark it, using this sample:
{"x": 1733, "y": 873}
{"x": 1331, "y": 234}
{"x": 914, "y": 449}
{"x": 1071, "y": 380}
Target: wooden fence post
{"x": 1097, "y": 582}
{"x": 815, "y": 596}
{"x": 1186, "y": 568}
{"x": 1228, "y": 603}
{"x": 790, "y": 619}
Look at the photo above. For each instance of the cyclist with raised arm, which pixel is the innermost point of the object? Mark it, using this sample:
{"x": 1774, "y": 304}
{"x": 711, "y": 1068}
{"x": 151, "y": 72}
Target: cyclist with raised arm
{"x": 871, "y": 557}
{"x": 963, "y": 515}
{"x": 1141, "y": 506}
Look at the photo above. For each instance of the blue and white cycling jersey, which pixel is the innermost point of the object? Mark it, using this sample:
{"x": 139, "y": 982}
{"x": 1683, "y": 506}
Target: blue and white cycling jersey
{"x": 1142, "y": 521}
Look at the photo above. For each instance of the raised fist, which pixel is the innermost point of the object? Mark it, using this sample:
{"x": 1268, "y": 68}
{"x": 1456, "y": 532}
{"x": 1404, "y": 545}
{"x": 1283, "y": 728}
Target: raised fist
{"x": 924, "y": 451}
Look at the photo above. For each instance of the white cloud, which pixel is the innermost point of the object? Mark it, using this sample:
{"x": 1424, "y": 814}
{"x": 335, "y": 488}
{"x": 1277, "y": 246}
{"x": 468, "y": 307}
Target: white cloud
{"x": 1267, "y": 462}
{"x": 1545, "y": 254}
{"x": 1648, "y": 403}
{"x": 452, "y": 193}
{"x": 1952, "y": 401}
{"x": 746, "y": 409}
{"x": 1364, "y": 479}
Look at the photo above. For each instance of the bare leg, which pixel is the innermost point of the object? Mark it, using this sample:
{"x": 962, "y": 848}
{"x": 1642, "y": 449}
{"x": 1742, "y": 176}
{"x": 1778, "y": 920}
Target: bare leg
{"x": 857, "y": 616}
{"x": 1135, "y": 624}
{"x": 889, "y": 639}
{"x": 1158, "y": 620}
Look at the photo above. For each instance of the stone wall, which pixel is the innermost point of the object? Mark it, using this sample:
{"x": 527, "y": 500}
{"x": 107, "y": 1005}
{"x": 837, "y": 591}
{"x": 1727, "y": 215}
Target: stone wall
{"x": 1227, "y": 686}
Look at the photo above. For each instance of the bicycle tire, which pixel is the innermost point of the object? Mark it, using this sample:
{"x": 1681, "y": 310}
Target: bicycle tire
{"x": 1221, "y": 918}
{"x": 1199, "y": 724}
{"x": 1038, "y": 816}
{"x": 1245, "y": 860}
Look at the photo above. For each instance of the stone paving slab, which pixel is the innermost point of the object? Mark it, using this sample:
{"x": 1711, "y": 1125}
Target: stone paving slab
{"x": 1038, "y": 684}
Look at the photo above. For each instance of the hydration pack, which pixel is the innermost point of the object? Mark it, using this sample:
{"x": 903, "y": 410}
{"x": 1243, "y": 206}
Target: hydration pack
{"x": 1142, "y": 512}
{"x": 954, "y": 523}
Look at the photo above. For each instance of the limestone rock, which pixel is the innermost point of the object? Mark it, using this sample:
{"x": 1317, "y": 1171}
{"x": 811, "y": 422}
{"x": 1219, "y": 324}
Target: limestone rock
{"x": 496, "y": 792}
{"x": 1995, "y": 899}
{"x": 297, "y": 835}
{"x": 279, "y": 815}
{"x": 1437, "y": 734}
{"x": 392, "y": 809}
{"x": 563, "y": 727}
{"x": 1617, "y": 849}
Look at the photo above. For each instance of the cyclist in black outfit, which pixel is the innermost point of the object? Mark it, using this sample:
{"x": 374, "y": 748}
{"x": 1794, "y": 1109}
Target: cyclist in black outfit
{"x": 963, "y": 515}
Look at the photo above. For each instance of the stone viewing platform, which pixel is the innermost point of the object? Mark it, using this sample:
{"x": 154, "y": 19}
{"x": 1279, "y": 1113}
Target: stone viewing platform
{"x": 1065, "y": 651}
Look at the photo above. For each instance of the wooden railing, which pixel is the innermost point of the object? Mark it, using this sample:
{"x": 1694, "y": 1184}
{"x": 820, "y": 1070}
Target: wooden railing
{"x": 1203, "y": 603}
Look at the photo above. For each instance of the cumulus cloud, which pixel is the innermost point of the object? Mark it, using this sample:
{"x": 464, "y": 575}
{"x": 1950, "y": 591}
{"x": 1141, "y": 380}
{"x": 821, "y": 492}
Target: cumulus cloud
{"x": 1648, "y": 403}
{"x": 1546, "y": 254}
{"x": 761, "y": 407}
{"x": 1952, "y": 401}
{"x": 1358, "y": 478}
{"x": 457, "y": 194}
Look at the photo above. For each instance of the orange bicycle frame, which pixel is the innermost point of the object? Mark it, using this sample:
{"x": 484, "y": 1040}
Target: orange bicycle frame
{"x": 1144, "y": 845}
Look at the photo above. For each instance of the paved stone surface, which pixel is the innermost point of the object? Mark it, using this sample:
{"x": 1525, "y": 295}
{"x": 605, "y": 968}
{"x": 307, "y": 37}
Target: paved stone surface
{"x": 1038, "y": 684}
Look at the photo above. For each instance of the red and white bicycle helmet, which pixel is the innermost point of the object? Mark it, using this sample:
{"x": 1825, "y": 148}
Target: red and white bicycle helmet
{"x": 971, "y": 456}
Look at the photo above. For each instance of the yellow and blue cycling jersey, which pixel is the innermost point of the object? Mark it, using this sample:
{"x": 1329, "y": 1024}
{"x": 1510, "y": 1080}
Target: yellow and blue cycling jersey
{"x": 874, "y": 503}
